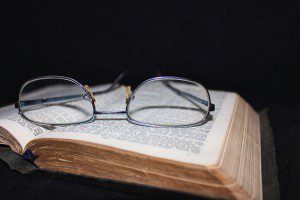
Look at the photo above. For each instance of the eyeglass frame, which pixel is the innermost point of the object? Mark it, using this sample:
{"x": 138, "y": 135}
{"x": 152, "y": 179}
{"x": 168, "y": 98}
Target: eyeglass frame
{"x": 129, "y": 97}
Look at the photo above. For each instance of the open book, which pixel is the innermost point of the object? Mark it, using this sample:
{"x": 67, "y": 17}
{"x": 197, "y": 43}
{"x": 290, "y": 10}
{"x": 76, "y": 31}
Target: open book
{"x": 220, "y": 159}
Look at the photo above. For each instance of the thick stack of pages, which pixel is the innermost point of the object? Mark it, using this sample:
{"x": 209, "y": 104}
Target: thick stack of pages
{"x": 220, "y": 159}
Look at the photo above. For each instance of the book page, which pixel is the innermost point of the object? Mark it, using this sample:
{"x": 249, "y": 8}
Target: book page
{"x": 197, "y": 145}
{"x": 23, "y": 130}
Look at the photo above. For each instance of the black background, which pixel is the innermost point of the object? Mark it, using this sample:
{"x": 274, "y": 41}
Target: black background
{"x": 248, "y": 47}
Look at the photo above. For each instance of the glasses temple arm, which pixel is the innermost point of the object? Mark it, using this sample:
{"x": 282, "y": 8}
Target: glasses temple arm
{"x": 112, "y": 86}
{"x": 179, "y": 92}
{"x": 69, "y": 97}
{"x": 47, "y": 100}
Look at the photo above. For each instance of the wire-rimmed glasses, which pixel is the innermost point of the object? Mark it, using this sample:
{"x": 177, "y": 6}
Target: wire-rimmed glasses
{"x": 164, "y": 101}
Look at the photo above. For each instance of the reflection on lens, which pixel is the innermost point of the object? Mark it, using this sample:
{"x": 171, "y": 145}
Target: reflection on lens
{"x": 55, "y": 101}
{"x": 169, "y": 102}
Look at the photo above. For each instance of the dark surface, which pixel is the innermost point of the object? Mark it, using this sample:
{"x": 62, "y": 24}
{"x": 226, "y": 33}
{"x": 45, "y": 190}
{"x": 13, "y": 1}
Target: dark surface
{"x": 251, "y": 48}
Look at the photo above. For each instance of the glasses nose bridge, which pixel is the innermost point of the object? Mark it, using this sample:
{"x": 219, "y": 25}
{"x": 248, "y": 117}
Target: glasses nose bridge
{"x": 127, "y": 96}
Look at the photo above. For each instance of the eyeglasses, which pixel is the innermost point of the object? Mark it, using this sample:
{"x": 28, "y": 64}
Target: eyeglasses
{"x": 163, "y": 101}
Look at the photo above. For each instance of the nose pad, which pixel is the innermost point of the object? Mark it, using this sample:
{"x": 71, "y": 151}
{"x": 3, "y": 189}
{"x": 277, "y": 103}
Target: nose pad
{"x": 128, "y": 94}
{"x": 93, "y": 100}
